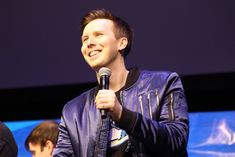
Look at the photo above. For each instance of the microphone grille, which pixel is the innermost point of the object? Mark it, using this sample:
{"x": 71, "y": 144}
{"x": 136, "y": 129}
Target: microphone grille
{"x": 104, "y": 71}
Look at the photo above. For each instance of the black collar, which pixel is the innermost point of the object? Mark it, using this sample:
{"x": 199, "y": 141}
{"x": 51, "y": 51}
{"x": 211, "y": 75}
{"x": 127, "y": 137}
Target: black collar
{"x": 132, "y": 77}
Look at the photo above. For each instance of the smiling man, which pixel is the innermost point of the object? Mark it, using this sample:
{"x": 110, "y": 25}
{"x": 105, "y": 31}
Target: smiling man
{"x": 147, "y": 111}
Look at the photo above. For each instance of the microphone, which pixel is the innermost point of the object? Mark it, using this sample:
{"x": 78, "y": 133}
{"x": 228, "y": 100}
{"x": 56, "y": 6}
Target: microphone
{"x": 104, "y": 74}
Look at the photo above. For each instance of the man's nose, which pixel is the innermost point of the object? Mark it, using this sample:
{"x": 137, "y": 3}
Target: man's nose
{"x": 91, "y": 42}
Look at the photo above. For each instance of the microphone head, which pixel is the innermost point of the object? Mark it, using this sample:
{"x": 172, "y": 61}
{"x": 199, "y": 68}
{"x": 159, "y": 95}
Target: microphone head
{"x": 104, "y": 71}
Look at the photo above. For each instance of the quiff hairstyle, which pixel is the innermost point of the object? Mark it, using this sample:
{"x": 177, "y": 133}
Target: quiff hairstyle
{"x": 122, "y": 28}
{"x": 47, "y": 130}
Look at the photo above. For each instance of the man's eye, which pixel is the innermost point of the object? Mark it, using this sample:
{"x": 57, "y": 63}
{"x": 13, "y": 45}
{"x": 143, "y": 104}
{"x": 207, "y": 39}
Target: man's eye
{"x": 84, "y": 40}
{"x": 98, "y": 34}
{"x": 33, "y": 152}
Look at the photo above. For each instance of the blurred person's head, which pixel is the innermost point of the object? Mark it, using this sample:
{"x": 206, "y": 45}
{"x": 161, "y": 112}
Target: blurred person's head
{"x": 42, "y": 139}
{"x": 8, "y": 145}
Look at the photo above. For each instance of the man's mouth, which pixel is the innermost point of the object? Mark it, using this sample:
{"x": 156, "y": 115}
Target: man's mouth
{"x": 93, "y": 53}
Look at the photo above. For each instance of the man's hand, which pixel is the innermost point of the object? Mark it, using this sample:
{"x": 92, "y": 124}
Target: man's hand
{"x": 106, "y": 99}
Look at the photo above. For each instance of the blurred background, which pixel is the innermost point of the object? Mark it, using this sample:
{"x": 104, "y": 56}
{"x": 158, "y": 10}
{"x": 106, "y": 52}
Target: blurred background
{"x": 41, "y": 66}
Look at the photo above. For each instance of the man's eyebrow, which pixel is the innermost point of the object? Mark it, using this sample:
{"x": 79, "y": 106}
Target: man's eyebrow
{"x": 83, "y": 36}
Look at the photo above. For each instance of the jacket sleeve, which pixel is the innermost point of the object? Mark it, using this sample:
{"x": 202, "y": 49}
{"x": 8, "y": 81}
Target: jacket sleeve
{"x": 63, "y": 146}
{"x": 169, "y": 133}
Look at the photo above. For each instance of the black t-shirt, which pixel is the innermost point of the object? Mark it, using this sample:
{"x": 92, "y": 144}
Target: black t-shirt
{"x": 119, "y": 144}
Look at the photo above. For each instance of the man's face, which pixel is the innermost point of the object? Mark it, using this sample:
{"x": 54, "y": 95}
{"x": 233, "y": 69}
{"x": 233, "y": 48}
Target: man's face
{"x": 36, "y": 151}
{"x": 99, "y": 44}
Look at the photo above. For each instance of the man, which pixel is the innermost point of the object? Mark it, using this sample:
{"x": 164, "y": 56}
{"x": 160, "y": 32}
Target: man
{"x": 42, "y": 139}
{"x": 147, "y": 110}
{"x": 8, "y": 146}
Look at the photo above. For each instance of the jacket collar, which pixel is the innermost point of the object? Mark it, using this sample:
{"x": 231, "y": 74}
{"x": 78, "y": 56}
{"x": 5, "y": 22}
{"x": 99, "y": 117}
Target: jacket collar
{"x": 131, "y": 78}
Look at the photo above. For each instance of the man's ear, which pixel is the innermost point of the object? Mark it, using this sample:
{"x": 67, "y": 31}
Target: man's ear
{"x": 49, "y": 146}
{"x": 122, "y": 43}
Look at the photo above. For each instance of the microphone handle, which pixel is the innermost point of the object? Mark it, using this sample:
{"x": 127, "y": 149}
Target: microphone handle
{"x": 104, "y": 84}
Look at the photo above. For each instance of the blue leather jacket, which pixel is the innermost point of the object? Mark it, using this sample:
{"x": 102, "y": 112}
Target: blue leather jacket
{"x": 155, "y": 116}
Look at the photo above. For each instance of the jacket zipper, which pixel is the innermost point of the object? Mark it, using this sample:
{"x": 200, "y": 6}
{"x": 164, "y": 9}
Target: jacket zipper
{"x": 98, "y": 138}
{"x": 170, "y": 108}
{"x": 121, "y": 98}
{"x": 129, "y": 146}
{"x": 149, "y": 105}
{"x": 157, "y": 105}
{"x": 141, "y": 105}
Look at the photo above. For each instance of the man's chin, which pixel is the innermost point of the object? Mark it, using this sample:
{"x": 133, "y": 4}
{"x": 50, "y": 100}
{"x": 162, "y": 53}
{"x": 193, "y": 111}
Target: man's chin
{"x": 95, "y": 67}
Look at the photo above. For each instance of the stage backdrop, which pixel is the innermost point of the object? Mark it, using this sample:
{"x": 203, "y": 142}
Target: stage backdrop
{"x": 212, "y": 134}
{"x": 40, "y": 40}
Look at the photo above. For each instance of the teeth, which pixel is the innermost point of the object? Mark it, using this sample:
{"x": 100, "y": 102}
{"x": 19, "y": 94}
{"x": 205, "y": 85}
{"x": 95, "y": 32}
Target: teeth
{"x": 93, "y": 53}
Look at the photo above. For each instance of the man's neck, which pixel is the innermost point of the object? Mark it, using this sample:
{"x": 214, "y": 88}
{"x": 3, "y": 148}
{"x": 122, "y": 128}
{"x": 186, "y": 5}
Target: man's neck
{"x": 118, "y": 79}
{"x": 119, "y": 74}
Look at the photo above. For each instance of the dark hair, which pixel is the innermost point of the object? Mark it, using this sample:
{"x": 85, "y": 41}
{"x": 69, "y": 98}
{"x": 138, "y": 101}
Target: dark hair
{"x": 47, "y": 130}
{"x": 122, "y": 28}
